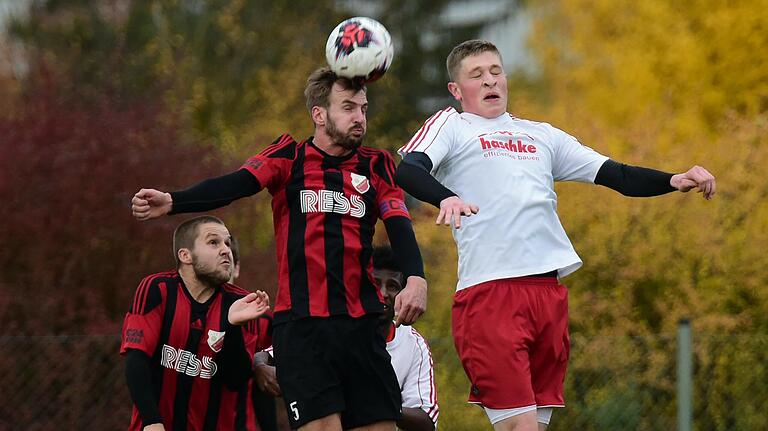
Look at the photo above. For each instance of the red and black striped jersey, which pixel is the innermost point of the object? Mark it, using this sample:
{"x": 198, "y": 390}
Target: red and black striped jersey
{"x": 325, "y": 209}
{"x": 184, "y": 339}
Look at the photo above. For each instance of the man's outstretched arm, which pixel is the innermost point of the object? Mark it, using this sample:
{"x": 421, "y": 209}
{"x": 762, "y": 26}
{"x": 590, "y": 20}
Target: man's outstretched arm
{"x": 209, "y": 194}
{"x": 643, "y": 182}
{"x": 413, "y": 176}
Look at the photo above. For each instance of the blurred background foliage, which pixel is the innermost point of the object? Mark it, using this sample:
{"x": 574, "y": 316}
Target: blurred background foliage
{"x": 101, "y": 97}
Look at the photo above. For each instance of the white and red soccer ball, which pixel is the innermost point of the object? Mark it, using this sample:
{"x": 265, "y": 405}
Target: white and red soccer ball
{"x": 359, "y": 48}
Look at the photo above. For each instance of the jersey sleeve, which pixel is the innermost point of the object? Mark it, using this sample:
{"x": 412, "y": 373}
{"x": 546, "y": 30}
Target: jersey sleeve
{"x": 419, "y": 389}
{"x": 435, "y": 137}
{"x": 251, "y": 337}
{"x": 573, "y": 161}
{"x": 142, "y": 324}
{"x": 390, "y": 198}
{"x": 264, "y": 332}
{"x": 271, "y": 166}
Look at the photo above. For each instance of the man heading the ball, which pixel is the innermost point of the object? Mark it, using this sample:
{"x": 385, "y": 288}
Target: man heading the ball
{"x": 510, "y": 313}
{"x": 327, "y": 193}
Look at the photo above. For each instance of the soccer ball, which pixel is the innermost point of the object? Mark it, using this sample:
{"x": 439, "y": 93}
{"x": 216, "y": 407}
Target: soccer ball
{"x": 359, "y": 48}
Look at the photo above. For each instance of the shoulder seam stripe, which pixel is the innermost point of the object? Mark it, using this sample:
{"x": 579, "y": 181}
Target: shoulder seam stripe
{"x": 284, "y": 141}
{"x": 438, "y": 132}
{"x": 139, "y": 302}
{"x": 141, "y": 294}
{"x": 406, "y": 147}
{"x": 425, "y": 129}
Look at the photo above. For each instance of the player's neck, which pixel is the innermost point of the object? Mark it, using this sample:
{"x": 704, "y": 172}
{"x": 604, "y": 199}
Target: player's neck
{"x": 326, "y": 144}
{"x": 198, "y": 289}
{"x": 486, "y": 115}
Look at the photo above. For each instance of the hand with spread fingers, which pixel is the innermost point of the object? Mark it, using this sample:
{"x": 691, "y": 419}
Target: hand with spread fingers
{"x": 451, "y": 210}
{"x": 248, "y": 307}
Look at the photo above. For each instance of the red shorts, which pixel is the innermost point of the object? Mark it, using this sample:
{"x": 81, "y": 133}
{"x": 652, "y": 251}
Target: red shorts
{"x": 512, "y": 338}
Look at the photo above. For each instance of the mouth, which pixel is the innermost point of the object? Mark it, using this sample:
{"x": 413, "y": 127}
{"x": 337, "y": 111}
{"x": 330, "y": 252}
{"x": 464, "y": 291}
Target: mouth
{"x": 491, "y": 97}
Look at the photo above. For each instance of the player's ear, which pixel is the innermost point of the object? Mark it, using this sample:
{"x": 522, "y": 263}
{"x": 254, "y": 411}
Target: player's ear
{"x": 185, "y": 256}
{"x": 455, "y": 90}
{"x": 319, "y": 115}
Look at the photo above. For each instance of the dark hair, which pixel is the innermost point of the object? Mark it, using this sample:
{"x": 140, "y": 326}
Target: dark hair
{"x": 464, "y": 50}
{"x": 185, "y": 234}
{"x": 384, "y": 258}
{"x": 319, "y": 86}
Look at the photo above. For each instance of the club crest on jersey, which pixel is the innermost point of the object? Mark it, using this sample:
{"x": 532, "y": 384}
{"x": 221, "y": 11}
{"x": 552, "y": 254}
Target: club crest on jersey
{"x": 215, "y": 340}
{"x": 360, "y": 182}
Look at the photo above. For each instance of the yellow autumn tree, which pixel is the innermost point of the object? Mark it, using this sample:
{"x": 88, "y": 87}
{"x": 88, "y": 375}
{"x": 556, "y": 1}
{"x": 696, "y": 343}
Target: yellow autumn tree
{"x": 665, "y": 85}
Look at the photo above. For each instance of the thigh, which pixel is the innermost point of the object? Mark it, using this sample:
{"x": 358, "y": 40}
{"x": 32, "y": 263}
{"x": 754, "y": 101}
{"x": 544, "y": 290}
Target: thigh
{"x": 371, "y": 391}
{"x": 308, "y": 379}
{"x": 550, "y": 353}
{"x": 493, "y": 332}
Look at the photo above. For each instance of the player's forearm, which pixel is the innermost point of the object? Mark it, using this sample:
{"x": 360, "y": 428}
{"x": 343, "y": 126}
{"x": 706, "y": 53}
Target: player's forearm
{"x": 404, "y": 245}
{"x": 215, "y": 192}
{"x": 413, "y": 176}
{"x": 139, "y": 379}
{"x": 415, "y": 419}
{"x": 235, "y": 360}
{"x": 633, "y": 180}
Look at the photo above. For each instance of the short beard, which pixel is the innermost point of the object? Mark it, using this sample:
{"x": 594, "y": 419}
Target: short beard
{"x": 212, "y": 278}
{"x": 346, "y": 141}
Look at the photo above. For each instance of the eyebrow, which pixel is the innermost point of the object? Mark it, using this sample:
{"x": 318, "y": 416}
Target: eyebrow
{"x": 352, "y": 102}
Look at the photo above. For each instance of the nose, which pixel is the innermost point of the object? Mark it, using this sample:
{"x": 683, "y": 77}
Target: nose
{"x": 488, "y": 79}
{"x": 359, "y": 116}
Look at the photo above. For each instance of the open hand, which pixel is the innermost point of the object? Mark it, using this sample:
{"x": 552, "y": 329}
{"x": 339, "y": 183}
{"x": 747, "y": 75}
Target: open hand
{"x": 451, "y": 210}
{"x": 248, "y": 307}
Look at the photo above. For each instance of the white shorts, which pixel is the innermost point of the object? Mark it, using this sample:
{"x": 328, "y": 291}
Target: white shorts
{"x": 544, "y": 414}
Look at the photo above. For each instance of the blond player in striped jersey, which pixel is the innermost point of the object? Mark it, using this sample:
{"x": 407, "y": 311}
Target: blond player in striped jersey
{"x": 510, "y": 311}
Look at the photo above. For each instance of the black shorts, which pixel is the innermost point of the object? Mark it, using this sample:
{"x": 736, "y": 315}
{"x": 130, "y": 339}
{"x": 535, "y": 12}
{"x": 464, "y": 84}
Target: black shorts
{"x": 336, "y": 364}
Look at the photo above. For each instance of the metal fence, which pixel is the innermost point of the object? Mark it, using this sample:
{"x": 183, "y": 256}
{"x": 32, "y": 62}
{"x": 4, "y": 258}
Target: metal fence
{"x": 614, "y": 383}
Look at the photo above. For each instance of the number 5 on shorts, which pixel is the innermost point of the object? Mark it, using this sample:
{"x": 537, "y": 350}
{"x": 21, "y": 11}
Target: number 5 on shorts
{"x": 295, "y": 410}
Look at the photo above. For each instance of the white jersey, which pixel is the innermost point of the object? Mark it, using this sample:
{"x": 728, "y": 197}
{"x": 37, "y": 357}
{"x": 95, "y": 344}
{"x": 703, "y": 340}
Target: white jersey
{"x": 412, "y": 362}
{"x": 507, "y": 166}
